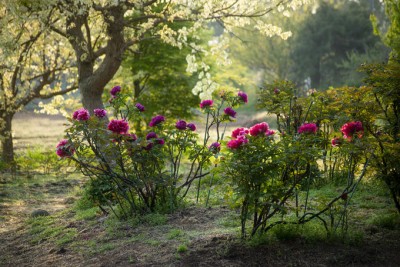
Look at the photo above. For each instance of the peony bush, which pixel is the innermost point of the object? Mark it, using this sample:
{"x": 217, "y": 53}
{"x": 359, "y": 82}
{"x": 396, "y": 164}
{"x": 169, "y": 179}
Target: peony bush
{"x": 134, "y": 172}
{"x": 268, "y": 171}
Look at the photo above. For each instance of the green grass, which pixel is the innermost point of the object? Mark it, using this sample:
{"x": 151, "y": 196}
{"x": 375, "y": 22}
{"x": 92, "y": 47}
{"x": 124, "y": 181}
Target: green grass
{"x": 182, "y": 248}
{"x": 86, "y": 214}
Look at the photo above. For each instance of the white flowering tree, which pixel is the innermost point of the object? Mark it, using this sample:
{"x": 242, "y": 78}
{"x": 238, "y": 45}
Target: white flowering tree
{"x": 100, "y": 31}
{"x": 31, "y": 66}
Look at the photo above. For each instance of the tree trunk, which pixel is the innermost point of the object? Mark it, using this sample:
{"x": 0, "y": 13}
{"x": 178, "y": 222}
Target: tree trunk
{"x": 7, "y": 154}
{"x": 91, "y": 99}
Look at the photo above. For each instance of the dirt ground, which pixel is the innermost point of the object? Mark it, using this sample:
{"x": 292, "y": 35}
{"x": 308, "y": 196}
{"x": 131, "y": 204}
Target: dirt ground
{"x": 198, "y": 228}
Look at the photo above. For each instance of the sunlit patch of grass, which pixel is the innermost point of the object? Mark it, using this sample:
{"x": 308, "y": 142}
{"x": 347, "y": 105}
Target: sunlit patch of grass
{"x": 175, "y": 234}
{"x": 67, "y": 236}
{"x": 48, "y": 228}
{"x": 86, "y": 214}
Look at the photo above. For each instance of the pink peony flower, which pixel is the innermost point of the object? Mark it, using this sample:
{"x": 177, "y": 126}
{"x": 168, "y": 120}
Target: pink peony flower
{"x": 259, "y": 129}
{"x": 206, "y": 103}
{"x": 151, "y": 135}
{"x": 191, "y": 126}
{"x": 336, "y": 141}
{"x": 115, "y": 90}
{"x": 239, "y": 131}
{"x": 149, "y": 146}
{"x": 118, "y": 126}
{"x": 100, "y": 113}
{"x": 235, "y": 143}
{"x": 230, "y": 112}
{"x": 308, "y": 128}
{"x": 159, "y": 141}
{"x": 81, "y": 115}
{"x": 243, "y": 96}
{"x": 64, "y": 149}
{"x": 140, "y": 107}
{"x": 181, "y": 125}
{"x": 156, "y": 120}
{"x": 215, "y": 147}
{"x": 351, "y": 128}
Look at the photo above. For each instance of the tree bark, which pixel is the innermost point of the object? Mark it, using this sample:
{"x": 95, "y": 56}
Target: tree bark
{"x": 7, "y": 153}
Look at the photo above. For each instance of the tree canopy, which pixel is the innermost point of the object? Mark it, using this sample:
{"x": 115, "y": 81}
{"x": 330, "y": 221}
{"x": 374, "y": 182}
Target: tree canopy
{"x": 325, "y": 39}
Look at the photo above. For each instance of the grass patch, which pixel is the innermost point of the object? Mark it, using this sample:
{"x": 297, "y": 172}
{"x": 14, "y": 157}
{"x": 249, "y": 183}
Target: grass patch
{"x": 389, "y": 221}
{"x": 175, "y": 234}
{"x": 182, "y": 248}
{"x": 87, "y": 214}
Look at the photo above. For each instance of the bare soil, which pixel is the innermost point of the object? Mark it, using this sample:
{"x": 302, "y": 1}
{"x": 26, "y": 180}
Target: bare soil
{"x": 207, "y": 242}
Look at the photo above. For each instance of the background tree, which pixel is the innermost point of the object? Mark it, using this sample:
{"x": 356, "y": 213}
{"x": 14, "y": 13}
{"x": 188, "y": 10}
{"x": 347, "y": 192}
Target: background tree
{"x": 157, "y": 74}
{"x": 325, "y": 39}
{"x": 31, "y": 67}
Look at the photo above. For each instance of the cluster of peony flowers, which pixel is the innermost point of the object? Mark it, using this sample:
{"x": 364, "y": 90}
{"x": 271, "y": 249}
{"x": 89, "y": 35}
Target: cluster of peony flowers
{"x": 153, "y": 139}
{"x": 81, "y": 115}
{"x": 115, "y": 90}
{"x": 239, "y": 134}
{"x": 156, "y": 120}
{"x": 352, "y": 129}
{"x": 100, "y": 113}
{"x": 336, "y": 141}
{"x": 230, "y": 112}
{"x": 64, "y": 149}
{"x": 206, "y": 103}
{"x": 183, "y": 125}
{"x": 349, "y": 130}
{"x": 140, "y": 107}
{"x": 308, "y": 128}
{"x": 118, "y": 126}
{"x": 215, "y": 147}
{"x": 242, "y": 96}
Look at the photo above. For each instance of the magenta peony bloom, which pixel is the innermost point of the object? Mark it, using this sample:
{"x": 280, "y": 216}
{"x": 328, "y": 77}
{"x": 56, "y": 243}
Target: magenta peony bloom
{"x": 235, "y": 143}
{"x": 115, "y": 90}
{"x": 243, "y": 139}
{"x": 100, "y": 113}
{"x": 118, "y": 126}
{"x": 351, "y": 128}
{"x": 181, "y": 125}
{"x": 140, "y": 107}
{"x": 149, "y": 146}
{"x": 191, "y": 126}
{"x": 230, "y": 112}
{"x": 206, "y": 103}
{"x": 151, "y": 135}
{"x": 215, "y": 147}
{"x": 64, "y": 149}
{"x": 336, "y": 141}
{"x": 81, "y": 115}
{"x": 239, "y": 131}
{"x": 308, "y": 128}
{"x": 156, "y": 120}
{"x": 243, "y": 96}
{"x": 259, "y": 129}
{"x": 159, "y": 141}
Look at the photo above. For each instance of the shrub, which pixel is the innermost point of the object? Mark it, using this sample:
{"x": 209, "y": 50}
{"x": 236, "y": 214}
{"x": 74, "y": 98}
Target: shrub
{"x": 142, "y": 173}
